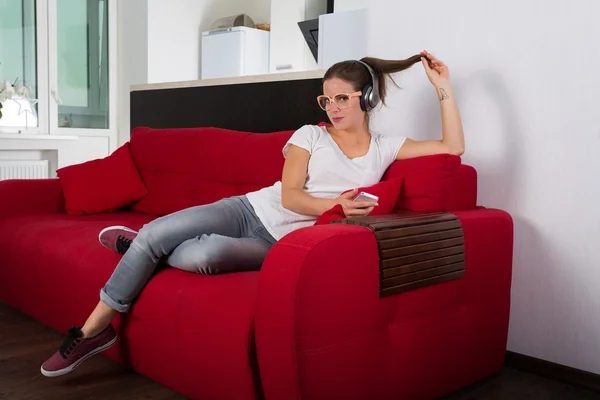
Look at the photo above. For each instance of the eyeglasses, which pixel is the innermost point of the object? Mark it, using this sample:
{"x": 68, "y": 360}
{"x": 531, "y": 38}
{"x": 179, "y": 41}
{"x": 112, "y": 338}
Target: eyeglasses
{"x": 341, "y": 100}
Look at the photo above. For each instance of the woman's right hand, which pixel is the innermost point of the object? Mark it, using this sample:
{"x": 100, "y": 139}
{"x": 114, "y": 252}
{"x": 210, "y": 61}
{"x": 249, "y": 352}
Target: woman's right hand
{"x": 355, "y": 208}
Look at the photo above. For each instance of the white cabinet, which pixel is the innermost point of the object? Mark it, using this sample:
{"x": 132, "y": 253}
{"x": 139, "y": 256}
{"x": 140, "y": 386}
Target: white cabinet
{"x": 234, "y": 51}
{"x": 342, "y": 36}
{"x": 289, "y": 51}
{"x": 348, "y": 5}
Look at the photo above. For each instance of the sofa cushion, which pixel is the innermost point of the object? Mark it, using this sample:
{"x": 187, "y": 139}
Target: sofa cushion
{"x": 434, "y": 183}
{"x": 184, "y": 330}
{"x": 387, "y": 191}
{"x": 67, "y": 267}
{"x": 194, "y": 166}
{"x": 103, "y": 185}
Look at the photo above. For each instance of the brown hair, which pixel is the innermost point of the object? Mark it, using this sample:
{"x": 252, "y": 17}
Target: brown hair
{"x": 358, "y": 76}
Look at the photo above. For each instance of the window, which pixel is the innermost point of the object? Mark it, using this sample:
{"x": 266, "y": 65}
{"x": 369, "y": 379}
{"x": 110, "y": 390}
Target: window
{"x": 18, "y": 63}
{"x": 64, "y": 53}
{"x": 82, "y": 64}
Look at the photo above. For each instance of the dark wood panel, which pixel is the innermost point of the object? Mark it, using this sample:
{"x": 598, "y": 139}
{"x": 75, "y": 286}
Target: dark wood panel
{"x": 261, "y": 107}
{"x": 389, "y": 291}
{"x": 429, "y": 259}
{"x": 428, "y": 273}
{"x": 428, "y": 246}
{"x": 438, "y": 262}
{"x": 379, "y": 222}
{"x": 412, "y": 221}
{"x": 418, "y": 239}
{"x": 417, "y": 230}
{"x": 420, "y": 257}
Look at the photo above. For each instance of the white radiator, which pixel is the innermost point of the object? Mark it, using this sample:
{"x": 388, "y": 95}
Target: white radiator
{"x": 18, "y": 169}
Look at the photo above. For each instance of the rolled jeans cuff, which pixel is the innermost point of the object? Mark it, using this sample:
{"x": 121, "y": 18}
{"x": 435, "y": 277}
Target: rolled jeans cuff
{"x": 113, "y": 304}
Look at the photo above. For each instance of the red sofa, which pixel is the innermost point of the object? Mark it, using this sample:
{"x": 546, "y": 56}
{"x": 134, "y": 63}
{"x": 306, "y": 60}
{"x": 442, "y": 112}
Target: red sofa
{"x": 310, "y": 324}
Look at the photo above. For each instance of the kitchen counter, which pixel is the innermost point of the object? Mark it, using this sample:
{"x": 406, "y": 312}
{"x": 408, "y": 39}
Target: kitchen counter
{"x": 284, "y": 76}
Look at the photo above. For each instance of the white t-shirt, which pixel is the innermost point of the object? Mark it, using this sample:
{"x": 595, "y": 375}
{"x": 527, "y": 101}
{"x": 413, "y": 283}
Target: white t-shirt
{"x": 330, "y": 173}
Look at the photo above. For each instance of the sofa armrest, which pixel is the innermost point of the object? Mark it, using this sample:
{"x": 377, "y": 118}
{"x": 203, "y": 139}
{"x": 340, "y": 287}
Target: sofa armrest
{"x": 322, "y": 330}
{"x": 415, "y": 250}
{"x": 23, "y": 196}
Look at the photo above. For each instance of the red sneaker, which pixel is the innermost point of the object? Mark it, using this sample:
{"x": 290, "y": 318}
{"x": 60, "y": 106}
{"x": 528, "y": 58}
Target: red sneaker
{"x": 75, "y": 350}
{"x": 117, "y": 238}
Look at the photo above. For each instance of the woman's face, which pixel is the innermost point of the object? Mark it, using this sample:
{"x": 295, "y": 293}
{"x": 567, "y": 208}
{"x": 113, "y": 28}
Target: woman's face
{"x": 344, "y": 111}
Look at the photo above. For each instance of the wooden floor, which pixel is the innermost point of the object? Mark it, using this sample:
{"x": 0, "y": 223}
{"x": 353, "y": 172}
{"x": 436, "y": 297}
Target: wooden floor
{"x": 512, "y": 384}
{"x": 25, "y": 344}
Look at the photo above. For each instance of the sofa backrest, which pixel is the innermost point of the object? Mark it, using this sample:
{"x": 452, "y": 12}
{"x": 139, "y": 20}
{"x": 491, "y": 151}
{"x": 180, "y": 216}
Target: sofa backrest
{"x": 185, "y": 167}
{"x": 434, "y": 183}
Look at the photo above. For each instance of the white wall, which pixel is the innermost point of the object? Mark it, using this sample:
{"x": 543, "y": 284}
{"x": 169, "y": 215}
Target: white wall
{"x": 133, "y": 57}
{"x": 174, "y": 33}
{"x": 526, "y": 76}
{"x": 288, "y": 49}
{"x": 348, "y": 5}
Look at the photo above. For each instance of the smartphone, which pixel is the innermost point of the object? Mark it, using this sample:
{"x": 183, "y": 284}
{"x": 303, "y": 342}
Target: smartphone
{"x": 364, "y": 196}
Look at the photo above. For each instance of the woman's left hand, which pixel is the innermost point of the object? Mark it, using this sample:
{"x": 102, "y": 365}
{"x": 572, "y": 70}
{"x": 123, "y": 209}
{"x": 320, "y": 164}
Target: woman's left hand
{"x": 436, "y": 71}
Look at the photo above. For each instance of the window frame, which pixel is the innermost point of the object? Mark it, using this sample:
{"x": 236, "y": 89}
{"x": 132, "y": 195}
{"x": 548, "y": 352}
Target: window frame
{"x": 47, "y": 76}
{"x": 92, "y": 103}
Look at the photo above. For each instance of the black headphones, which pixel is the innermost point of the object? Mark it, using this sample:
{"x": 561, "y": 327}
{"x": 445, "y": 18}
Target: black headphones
{"x": 370, "y": 93}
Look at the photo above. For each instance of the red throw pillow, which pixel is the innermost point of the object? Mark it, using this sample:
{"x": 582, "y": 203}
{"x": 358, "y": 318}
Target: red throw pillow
{"x": 102, "y": 185}
{"x": 387, "y": 191}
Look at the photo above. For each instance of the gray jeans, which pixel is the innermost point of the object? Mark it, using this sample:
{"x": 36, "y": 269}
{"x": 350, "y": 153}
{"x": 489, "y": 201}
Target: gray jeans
{"x": 221, "y": 237}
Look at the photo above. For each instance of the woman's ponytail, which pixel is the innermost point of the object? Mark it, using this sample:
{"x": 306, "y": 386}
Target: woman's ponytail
{"x": 384, "y": 69}
{"x": 356, "y": 74}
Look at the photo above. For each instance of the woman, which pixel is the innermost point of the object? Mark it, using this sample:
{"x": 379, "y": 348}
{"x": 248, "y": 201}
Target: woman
{"x": 235, "y": 234}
